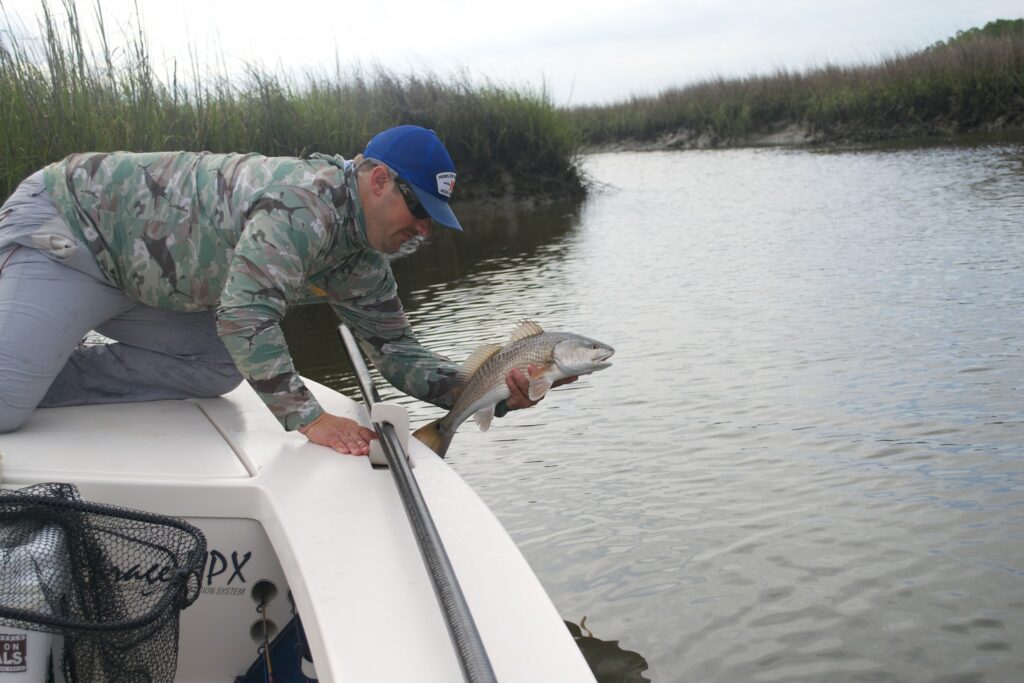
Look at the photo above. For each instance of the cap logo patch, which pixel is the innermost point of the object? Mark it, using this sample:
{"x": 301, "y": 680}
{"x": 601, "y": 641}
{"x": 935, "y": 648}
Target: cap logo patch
{"x": 445, "y": 184}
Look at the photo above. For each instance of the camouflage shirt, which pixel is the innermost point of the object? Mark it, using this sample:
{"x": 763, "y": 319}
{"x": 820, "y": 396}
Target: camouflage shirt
{"x": 247, "y": 236}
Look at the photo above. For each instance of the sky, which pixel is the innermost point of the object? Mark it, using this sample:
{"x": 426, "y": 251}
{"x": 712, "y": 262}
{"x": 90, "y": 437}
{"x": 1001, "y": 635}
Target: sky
{"x": 577, "y": 51}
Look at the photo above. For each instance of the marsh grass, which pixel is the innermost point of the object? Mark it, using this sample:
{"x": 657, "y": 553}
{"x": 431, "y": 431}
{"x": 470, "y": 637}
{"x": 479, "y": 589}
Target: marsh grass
{"x": 60, "y": 95}
{"x": 966, "y": 84}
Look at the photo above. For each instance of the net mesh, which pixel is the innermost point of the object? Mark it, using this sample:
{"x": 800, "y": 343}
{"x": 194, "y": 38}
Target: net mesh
{"x": 112, "y": 581}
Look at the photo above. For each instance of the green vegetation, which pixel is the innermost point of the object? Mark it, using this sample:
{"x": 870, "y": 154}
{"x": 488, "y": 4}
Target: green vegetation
{"x": 64, "y": 97}
{"x": 59, "y": 96}
{"x": 972, "y": 82}
{"x": 994, "y": 29}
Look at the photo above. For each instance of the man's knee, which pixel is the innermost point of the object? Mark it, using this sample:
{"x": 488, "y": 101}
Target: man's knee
{"x": 219, "y": 381}
{"x": 18, "y": 396}
{"x": 11, "y": 418}
{"x": 229, "y": 384}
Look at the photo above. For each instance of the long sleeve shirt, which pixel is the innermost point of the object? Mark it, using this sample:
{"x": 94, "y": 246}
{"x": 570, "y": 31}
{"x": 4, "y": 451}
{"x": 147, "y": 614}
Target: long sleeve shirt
{"x": 246, "y": 236}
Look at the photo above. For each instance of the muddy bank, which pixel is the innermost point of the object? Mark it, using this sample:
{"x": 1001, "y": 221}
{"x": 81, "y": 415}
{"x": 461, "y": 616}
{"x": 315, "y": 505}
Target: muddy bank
{"x": 793, "y": 134}
{"x": 522, "y": 189}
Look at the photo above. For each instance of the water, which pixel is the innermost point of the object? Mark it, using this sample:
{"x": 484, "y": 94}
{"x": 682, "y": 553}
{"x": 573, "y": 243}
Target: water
{"x": 806, "y": 462}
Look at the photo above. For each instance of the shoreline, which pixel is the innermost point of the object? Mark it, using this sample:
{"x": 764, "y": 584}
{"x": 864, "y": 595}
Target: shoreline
{"x": 508, "y": 195}
{"x": 804, "y": 135}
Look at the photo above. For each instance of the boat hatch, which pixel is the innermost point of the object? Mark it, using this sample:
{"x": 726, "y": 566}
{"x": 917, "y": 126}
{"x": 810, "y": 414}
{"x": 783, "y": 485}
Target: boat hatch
{"x": 177, "y": 441}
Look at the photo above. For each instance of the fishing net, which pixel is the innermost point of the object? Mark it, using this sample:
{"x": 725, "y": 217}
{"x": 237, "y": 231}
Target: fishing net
{"x": 111, "y": 581}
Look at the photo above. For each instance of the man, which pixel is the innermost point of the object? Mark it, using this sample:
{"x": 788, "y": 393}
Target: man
{"x": 189, "y": 262}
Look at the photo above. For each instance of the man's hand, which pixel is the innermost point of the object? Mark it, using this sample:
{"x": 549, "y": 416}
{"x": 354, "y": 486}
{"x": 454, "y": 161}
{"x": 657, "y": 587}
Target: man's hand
{"x": 519, "y": 386}
{"x": 340, "y": 433}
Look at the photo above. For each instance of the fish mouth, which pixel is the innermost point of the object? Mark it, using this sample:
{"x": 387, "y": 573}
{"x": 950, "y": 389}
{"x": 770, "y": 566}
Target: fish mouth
{"x": 602, "y": 362}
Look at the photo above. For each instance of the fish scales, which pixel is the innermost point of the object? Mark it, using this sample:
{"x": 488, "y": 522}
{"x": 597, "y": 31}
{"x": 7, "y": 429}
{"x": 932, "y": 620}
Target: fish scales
{"x": 554, "y": 356}
{"x": 487, "y": 385}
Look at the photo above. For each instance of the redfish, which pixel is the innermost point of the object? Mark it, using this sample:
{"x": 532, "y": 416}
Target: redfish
{"x": 554, "y": 355}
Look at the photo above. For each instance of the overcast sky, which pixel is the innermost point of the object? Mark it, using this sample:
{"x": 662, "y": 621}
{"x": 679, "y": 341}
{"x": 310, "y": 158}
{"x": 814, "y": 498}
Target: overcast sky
{"x": 581, "y": 51}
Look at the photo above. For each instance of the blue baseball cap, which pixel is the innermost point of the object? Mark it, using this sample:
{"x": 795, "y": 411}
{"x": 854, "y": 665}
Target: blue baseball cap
{"x": 420, "y": 159}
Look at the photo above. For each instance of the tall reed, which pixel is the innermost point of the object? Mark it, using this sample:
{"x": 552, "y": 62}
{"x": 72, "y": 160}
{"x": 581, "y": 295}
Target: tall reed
{"x": 955, "y": 86}
{"x": 59, "y": 95}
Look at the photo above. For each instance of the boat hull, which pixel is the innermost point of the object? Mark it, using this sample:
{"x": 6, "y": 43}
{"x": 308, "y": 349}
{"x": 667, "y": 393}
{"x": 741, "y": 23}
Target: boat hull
{"x": 328, "y": 532}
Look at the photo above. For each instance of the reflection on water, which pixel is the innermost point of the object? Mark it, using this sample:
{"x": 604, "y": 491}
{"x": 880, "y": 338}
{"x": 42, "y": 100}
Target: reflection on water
{"x": 607, "y": 659}
{"x": 806, "y": 462}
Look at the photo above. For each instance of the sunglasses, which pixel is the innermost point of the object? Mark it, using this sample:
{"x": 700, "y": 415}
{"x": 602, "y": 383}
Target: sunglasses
{"x": 411, "y": 200}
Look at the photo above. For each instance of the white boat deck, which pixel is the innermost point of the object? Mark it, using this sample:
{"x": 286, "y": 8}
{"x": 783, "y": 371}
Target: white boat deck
{"x": 327, "y": 527}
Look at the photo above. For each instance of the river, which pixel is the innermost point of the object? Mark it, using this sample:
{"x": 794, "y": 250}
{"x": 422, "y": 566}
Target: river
{"x": 807, "y": 461}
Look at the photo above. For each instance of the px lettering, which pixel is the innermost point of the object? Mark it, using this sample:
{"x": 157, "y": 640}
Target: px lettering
{"x": 217, "y": 564}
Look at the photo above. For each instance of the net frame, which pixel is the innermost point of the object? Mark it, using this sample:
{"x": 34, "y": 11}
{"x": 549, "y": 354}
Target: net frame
{"x": 114, "y": 628}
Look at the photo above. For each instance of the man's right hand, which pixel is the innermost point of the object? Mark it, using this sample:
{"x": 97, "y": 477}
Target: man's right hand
{"x": 340, "y": 433}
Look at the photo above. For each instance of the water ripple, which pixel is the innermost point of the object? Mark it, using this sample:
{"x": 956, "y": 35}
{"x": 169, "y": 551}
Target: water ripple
{"x": 805, "y": 462}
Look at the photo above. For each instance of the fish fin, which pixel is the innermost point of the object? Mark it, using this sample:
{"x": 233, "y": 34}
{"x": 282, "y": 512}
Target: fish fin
{"x": 483, "y": 418}
{"x": 538, "y": 387}
{"x": 472, "y": 363}
{"x": 526, "y": 328}
{"x": 430, "y": 434}
{"x": 540, "y": 382}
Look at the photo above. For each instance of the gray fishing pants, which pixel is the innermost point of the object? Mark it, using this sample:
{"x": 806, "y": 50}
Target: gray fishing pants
{"x": 46, "y": 307}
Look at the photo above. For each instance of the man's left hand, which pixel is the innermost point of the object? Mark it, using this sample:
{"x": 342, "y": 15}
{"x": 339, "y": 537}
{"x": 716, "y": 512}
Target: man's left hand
{"x": 519, "y": 386}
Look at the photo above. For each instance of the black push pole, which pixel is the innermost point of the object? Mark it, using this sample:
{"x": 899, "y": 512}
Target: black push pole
{"x": 476, "y": 666}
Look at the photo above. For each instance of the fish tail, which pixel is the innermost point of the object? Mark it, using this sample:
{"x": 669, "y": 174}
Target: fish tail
{"x": 431, "y": 435}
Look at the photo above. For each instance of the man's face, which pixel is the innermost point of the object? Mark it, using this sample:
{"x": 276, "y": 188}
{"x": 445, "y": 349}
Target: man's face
{"x": 389, "y": 220}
